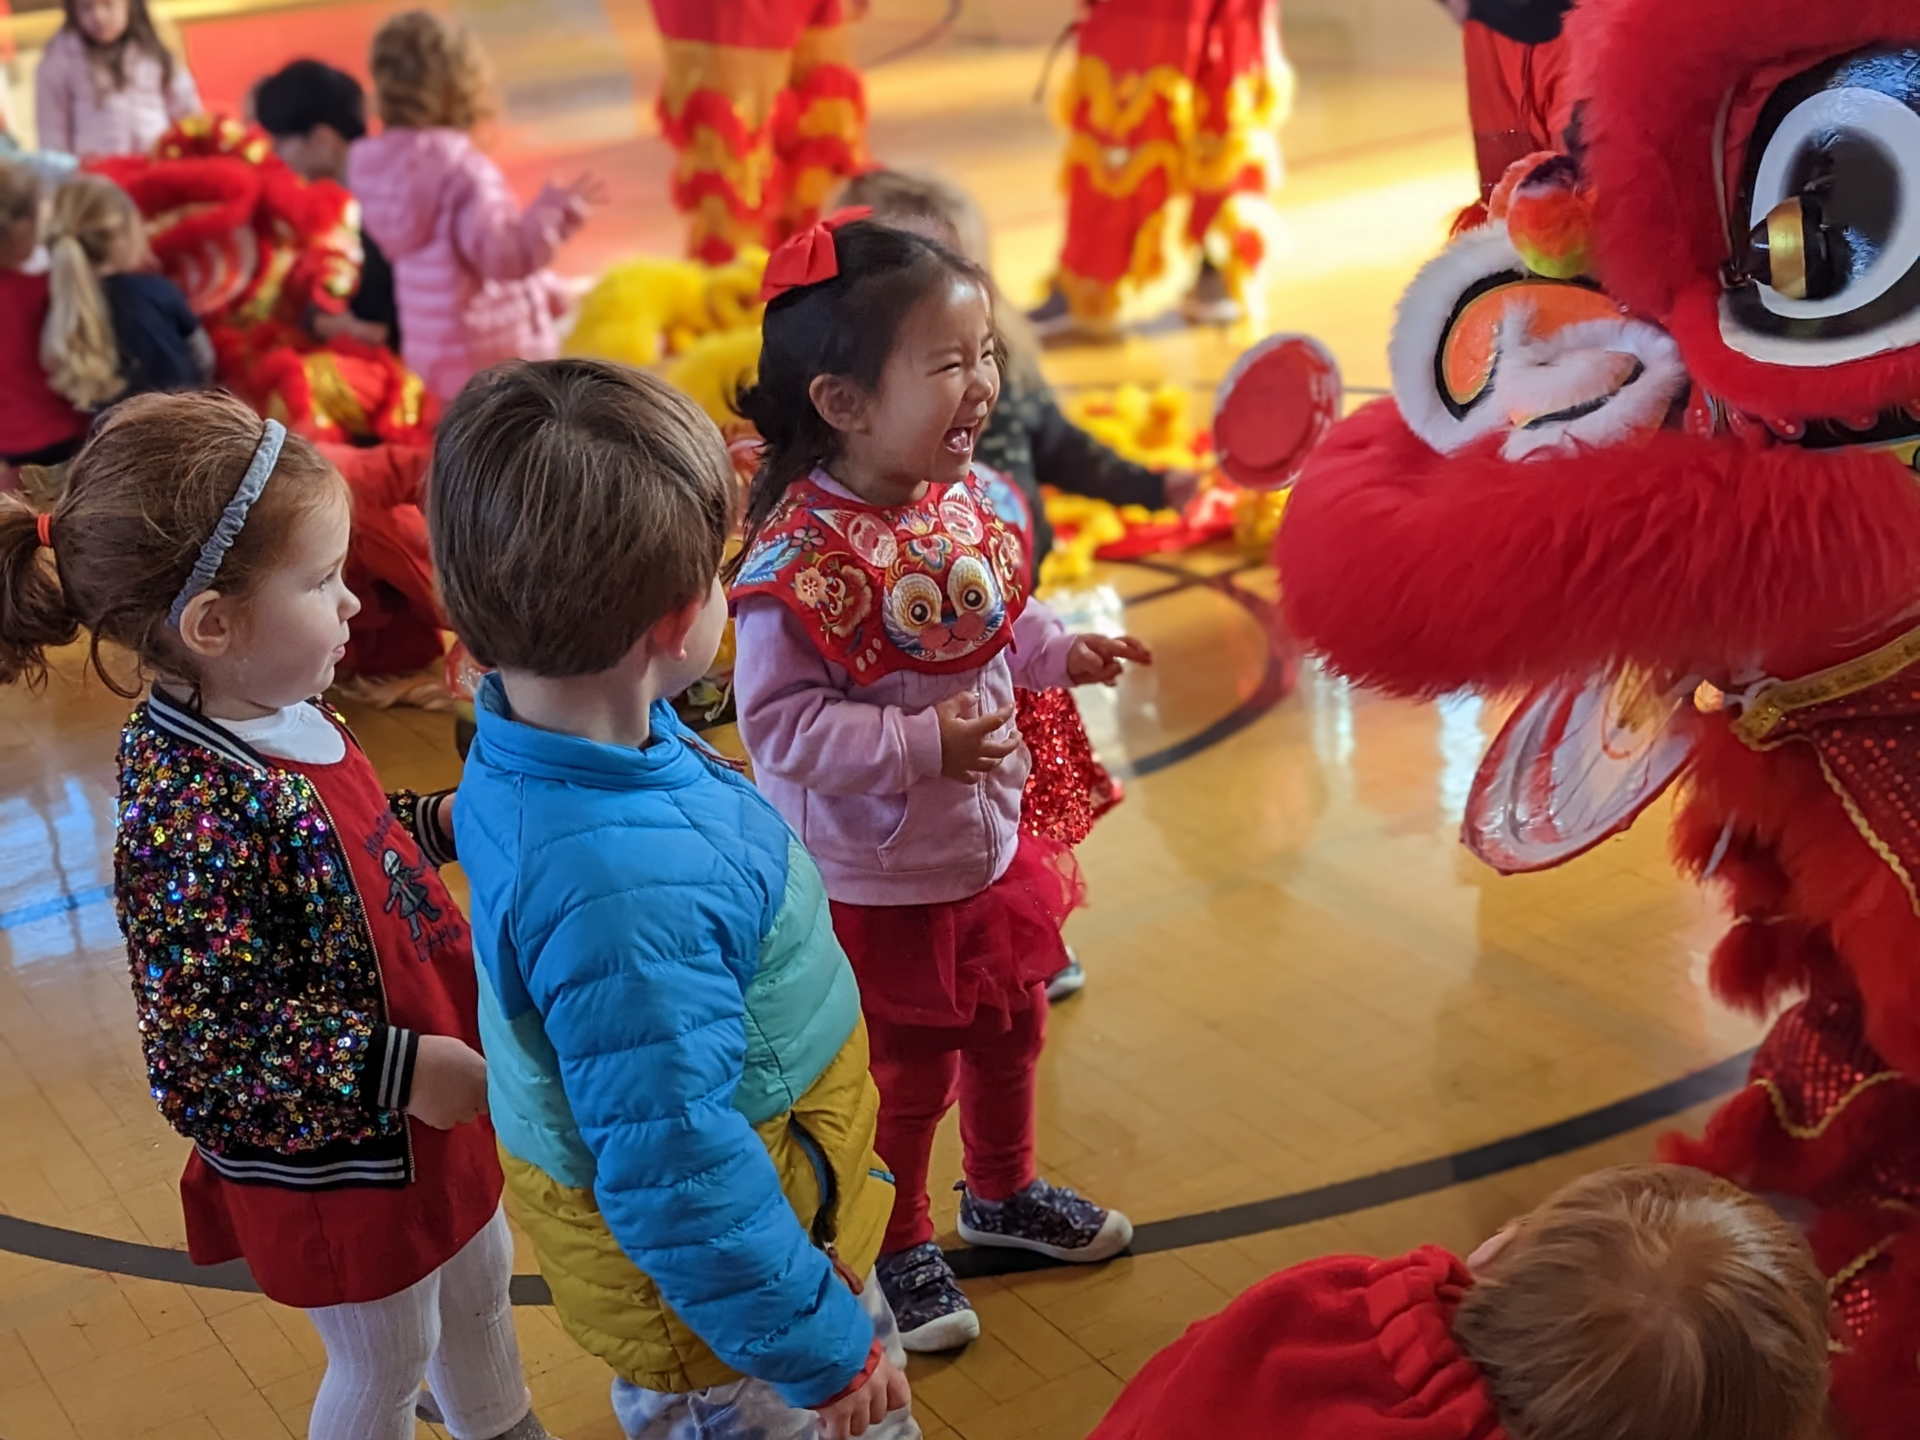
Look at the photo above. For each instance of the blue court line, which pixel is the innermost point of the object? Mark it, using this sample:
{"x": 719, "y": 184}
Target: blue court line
{"x": 58, "y": 905}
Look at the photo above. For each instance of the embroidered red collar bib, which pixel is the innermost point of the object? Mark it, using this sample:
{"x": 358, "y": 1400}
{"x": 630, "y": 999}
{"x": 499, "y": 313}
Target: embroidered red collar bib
{"x": 934, "y": 586}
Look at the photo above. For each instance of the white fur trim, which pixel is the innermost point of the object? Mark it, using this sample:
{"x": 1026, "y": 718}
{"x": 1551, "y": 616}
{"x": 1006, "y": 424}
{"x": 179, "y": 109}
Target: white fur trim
{"x": 1532, "y": 375}
{"x": 1425, "y": 311}
{"x": 1566, "y": 369}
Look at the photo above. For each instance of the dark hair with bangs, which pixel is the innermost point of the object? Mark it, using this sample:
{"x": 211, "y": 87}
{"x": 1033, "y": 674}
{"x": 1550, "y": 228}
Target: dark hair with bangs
{"x": 846, "y": 326}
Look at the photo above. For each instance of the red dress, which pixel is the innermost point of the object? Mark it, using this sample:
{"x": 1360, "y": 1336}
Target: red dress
{"x": 33, "y": 419}
{"x": 313, "y": 1248}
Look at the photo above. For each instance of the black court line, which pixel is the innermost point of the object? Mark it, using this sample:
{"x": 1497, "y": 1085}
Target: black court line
{"x": 1276, "y": 683}
{"x": 1282, "y": 1212}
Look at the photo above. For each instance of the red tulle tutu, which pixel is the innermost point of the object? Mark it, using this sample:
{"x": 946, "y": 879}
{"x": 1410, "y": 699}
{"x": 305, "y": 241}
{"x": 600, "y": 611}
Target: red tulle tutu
{"x": 1069, "y": 788}
{"x": 943, "y": 964}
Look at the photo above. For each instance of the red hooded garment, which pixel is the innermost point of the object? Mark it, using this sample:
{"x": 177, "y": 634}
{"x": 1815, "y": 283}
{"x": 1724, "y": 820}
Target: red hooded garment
{"x": 1345, "y": 1348}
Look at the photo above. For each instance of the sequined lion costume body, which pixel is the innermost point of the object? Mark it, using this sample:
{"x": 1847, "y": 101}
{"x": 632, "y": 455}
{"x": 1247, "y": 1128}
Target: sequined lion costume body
{"x": 258, "y": 251}
{"x": 1650, "y": 463}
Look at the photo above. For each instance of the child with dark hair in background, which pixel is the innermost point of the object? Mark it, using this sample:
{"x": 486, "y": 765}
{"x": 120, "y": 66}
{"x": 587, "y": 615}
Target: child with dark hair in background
{"x": 883, "y": 623}
{"x": 107, "y": 85}
{"x": 314, "y": 113}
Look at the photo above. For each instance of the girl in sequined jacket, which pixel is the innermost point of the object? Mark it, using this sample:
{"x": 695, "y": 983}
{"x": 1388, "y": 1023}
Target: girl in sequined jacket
{"x": 305, "y": 984}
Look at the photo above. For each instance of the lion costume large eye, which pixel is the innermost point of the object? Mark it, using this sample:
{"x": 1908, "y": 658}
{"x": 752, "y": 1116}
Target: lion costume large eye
{"x": 1831, "y": 196}
{"x": 915, "y": 602}
{"x": 970, "y": 586}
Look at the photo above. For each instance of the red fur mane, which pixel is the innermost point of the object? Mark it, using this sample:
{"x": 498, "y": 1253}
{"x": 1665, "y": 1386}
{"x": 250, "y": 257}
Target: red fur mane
{"x": 1422, "y": 573}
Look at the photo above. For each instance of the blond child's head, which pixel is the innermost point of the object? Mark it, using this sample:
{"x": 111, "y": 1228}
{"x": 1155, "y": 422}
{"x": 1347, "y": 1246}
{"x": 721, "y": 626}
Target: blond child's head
{"x": 94, "y": 229}
{"x": 1650, "y": 1302}
{"x": 428, "y": 72}
{"x": 575, "y": 507}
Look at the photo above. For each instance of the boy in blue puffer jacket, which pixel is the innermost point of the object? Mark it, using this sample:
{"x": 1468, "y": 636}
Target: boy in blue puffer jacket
{"x": 677, "y": 1067}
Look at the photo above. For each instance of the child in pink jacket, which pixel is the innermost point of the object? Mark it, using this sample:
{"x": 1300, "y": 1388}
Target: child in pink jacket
{"x": 107, "y": 84}
{"x": 469, "y": 265}
{"x": 883, "y": 625}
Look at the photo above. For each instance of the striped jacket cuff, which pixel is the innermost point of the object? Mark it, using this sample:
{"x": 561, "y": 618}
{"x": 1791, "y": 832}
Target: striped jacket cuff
{"x": 390, "y": 1060}
{"x": 436, "y": 844}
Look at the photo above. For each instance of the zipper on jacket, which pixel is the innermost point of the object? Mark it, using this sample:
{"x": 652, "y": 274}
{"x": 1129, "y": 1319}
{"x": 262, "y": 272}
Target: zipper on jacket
{"x": 824, "y": 1227}
{"x": 366, "y": 934}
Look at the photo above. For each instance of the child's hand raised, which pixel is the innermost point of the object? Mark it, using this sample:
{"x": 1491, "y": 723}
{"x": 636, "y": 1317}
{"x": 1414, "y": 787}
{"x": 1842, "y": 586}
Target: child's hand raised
{"x": 885, "y": 1392}
{"x": 587, "y": 192}
{"x": 1099, "y": 659}
{"x": 967, "y": 747}
{"x": 449, "y": 1082}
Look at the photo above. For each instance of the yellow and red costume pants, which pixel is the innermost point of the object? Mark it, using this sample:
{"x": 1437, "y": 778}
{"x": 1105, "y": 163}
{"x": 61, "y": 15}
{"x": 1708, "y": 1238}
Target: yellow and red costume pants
{"x": 1170, "y": 100}
{"x": 766, "y": 113}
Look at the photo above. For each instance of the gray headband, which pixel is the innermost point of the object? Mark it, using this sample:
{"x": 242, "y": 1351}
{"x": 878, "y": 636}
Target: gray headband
{"x": 265, "y": 456}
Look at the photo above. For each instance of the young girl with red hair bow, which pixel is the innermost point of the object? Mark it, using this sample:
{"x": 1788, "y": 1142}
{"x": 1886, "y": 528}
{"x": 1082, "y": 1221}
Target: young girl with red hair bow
{"x": 883, "y": 623}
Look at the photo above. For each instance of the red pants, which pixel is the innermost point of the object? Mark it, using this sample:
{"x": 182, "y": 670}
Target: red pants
{"x": 989, "y": 1067}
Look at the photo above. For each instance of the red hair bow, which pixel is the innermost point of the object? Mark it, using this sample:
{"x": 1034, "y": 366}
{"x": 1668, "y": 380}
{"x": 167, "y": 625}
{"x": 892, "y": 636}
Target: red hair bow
{"x": 808, "y": 257}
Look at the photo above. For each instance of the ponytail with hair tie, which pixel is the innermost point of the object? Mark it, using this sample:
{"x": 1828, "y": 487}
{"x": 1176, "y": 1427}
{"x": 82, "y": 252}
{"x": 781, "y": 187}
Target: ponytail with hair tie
{"x": 34, "y": 614}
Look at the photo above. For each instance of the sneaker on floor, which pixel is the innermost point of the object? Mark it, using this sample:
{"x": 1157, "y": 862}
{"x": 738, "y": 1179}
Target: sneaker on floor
{"x": 1051, "y": 316}
{"x": 1055, "y": 323}
{"x": 1211, "y": 302}
{"x": 1047, "y": 1220}
{"x": 933, "y": 1313}
{"x": 1068, "y": 981}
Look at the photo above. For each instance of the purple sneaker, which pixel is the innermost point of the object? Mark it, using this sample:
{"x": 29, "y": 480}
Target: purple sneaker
{"x": 1047, "y": 1220}
{"x": 928, "y": 1305}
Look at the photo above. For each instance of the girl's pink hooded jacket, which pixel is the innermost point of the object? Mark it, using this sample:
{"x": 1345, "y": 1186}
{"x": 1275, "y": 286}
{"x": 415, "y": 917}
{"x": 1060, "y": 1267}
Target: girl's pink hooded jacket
{"x": 469, "y": 265}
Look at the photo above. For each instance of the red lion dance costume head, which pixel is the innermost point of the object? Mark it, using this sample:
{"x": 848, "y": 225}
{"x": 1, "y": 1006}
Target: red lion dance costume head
{"x": 1650, "y": 462}
{"x": 257, "y": 250}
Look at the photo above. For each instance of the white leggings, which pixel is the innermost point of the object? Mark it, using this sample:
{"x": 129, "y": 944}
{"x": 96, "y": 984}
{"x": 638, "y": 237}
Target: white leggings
{"x": 455, "y": 1327}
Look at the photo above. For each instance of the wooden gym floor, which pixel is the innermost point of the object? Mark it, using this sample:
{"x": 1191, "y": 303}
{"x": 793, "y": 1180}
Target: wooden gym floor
{"x": 1312, "y": 1022}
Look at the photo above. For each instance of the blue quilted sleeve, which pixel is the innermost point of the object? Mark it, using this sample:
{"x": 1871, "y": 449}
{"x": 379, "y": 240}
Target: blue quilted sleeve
{"x": 651, "y": 1047}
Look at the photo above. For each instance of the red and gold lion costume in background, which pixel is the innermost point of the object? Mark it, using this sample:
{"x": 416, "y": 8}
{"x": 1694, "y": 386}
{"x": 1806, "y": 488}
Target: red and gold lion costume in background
{"x": 257, "y": 251}
{"x": 1650, "y": 462}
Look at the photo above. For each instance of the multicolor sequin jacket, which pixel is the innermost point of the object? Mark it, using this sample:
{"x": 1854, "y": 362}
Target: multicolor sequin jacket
{"x": 261, "y": 1004}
